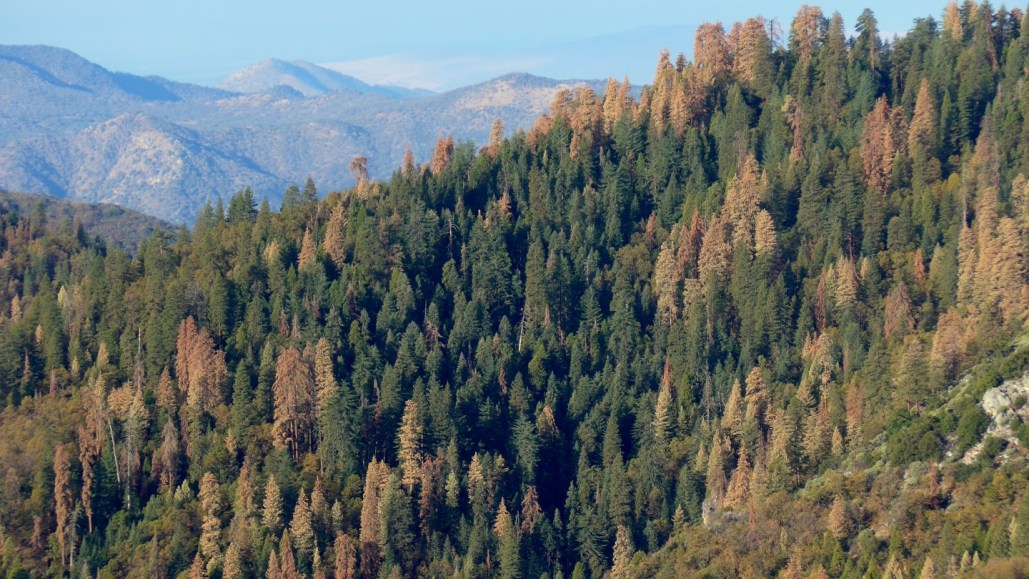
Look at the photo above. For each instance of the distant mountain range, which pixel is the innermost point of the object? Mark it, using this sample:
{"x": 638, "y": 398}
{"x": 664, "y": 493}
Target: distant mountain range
{"x": 73, "y": 129}
{"x": 307, "y": 79}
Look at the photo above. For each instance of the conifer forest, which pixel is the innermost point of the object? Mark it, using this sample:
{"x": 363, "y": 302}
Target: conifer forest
{"x": 765, "y": 317}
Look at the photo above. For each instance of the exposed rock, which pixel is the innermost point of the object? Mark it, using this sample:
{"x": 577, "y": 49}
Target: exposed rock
{"x": 1006, "y": 405}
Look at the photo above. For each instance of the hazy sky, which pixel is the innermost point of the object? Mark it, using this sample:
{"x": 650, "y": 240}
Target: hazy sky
{"x": 433, "y": 44}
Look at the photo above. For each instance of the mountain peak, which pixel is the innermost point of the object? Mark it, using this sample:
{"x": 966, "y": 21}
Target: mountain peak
{"x": 304, "y": 77}
{"x": 74, "y": 129}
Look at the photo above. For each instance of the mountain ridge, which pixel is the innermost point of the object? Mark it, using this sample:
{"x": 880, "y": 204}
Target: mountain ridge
{"x": 265, "y": 134}
{"x": 124, "y": 228}
{"x": 307, "y": 78}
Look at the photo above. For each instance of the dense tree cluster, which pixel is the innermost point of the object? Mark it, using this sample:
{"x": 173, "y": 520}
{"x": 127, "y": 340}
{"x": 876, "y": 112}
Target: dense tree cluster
{"x": 736, "y": 326}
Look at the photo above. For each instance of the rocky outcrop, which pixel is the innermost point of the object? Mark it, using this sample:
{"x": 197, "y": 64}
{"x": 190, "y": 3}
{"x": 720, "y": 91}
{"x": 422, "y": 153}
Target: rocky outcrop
{"x": 1007, "y": 404}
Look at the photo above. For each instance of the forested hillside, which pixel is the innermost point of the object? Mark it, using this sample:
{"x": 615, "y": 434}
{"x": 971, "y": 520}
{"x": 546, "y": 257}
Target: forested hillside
{"x": 742, "y": 326}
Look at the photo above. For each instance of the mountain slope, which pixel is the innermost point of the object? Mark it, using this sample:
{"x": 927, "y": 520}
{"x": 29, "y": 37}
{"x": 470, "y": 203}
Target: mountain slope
{"x": 122, "y": 227}
{"x": 771, "y": 319}
{"x": 306, "y": 78}
{"x": 73, "y": 129}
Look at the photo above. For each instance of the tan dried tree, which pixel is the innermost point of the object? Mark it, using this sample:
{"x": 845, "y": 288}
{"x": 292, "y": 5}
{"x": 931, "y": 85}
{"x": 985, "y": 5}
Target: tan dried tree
{"x": 293, "y": 394}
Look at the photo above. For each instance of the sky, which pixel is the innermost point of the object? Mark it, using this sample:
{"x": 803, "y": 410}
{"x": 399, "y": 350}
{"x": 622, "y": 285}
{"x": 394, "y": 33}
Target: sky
{"x": 412, "y": 43}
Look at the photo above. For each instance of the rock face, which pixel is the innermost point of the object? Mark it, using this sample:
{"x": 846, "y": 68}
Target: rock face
{"x": 72, "y": 129}
{"x": 1005, "y": 405}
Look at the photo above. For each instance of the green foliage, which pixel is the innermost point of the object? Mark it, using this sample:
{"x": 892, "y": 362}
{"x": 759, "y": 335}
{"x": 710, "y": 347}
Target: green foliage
{"x": 970, "y": 427}
{"x": 764, "y": 376}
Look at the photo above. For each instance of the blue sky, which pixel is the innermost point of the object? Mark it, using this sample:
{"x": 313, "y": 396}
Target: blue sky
{"x": 436, "y": 45}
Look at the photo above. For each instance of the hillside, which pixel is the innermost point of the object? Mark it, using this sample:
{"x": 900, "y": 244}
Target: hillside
{"x": 111, "y": 224}
{"x": 74, "y": 130}
{"x": 768, "y": 319}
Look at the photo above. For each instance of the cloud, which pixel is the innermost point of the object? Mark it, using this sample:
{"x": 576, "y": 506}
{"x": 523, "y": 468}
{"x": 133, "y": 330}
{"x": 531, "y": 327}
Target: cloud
{"x": 630, "y": 52}
{"x": 435, "y": 72}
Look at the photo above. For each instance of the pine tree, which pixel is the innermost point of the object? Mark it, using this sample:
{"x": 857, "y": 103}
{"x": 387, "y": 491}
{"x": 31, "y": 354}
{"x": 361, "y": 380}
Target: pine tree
{"x": 837, "y": 446}
{"x": 89, "y": 435}
{"x": 735, "y": 410}
{"x": 764, "y": 234}
{"x": 737, "y": 494}
{"x": 714, "y": 261}
{"x": 816, "y": 433}
{"x": 335, "y": 244}
{"x": 346, "y": 557}
{"x": 794, "y": 569}
{"x": 711, "y": 56}
{"x": 508, "y": 536}
{"x": 757, "y": 397}
{"x": 319, "y": 508}
{"x": 167, "y": 399}
{"x": 666, "y": 283}
{"x": 294, "y": 401}
{"x": 197, "y": 570}
{"x": 62, "y": 498}
{"x": 742, "y": 196}
{"x": 407, "y": 167}
{"x": 359, "y": 171}
{"x": 308, "y": 254}
{"x": 233, "y": 567}
{"x": 949, "y": 342}
{"x": 396, "y": 541}
{"x": 211, "y": 525}
{"x": 923, "y": 129}
{"x": 898, "y": 312}
{"x": 847, "y": 284}
{"x": 998, "y": 538}
{"x": 271, "y": 512}
{"x": 929, "y": 570}
{"x": 166, "y": 463}
{"x": 894, "y": 568}
{"x": 662, "y": 410}
{"x": 441, "y": 155}
{"x": 1005, "y": 265}
{"x": 839, "y": 521}
{"x": 496, "y": 136}
{"x": 623, "y": 551}
{"x": 1020, "y": 530}
{"x": 716, "y": 483}
{"x": 203, "y": 376}
{"x": 807, "y": 31}
{"x": 531, "y": 511}
{"x": 199, "y": 367}
{"x": 880, "y": 145}
{"x": 952, "y": 21}
{"x": 243, "y": 503}
{"x": 287, "y": 561}
{"x": 324, "y": 376}
{"x": 409, "y": 444}
{"x": 751, "y": 51}
{"x": 302, "y": 528}
{"x": 614, "y": 104}
{"x": 371, "y": 526}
